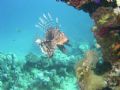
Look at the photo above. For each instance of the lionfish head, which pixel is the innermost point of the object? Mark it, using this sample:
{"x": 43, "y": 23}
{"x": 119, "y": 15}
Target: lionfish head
{"x": 62, "y": 39}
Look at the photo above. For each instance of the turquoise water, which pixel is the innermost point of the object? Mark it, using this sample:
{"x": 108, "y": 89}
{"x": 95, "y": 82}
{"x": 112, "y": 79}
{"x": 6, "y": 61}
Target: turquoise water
{"x": 18, "y": 19}
{"x": 22, "y": 70}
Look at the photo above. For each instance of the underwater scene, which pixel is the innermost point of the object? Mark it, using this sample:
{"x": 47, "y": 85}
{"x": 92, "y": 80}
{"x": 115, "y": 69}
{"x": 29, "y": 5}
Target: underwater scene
{"x": 60, "y": 45}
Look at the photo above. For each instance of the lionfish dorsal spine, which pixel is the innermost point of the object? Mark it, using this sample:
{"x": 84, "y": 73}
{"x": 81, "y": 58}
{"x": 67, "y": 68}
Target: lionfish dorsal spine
{"x": 46, "y": 22}
{"x": 50, "y": 17}
{"x": 45, "y": 17}
{"x": 57, "y": 22}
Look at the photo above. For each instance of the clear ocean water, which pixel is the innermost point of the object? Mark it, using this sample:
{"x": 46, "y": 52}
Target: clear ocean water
{"x": 18, "y": 34}
{"x": 18, "y": 19}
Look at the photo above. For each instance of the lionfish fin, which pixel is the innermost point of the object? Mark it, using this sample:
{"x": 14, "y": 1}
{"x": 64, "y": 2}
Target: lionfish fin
{"x": 50, "y": 17}
{"x": 62, "y": 48}
{"x": 45, "y": 16}
{"x": 45, "y": 22}
{"x": 47, "y": 48}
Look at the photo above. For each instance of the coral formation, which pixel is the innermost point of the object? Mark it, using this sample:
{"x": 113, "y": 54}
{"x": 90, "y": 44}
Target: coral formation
{"x": 77, "y": 3}
{"x": 113, "y": 78}
{"x": 38, "y": 72}
{"x": 106, "y": 31}
{"x": 106, "y": 15}
{"x": 84, "y": 72}
{"x": 8, "y": 71}
{"x": 107, "y": 23}
{"x": 90, "y": 70}
{"x": 118, "y": 2}
{"x": 84, "y": 47}
{"x": 90, "y": 6}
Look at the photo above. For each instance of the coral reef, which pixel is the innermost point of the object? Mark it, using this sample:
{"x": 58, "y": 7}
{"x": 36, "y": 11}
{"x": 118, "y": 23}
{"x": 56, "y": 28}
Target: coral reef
{"x": 113, "y": 78}
{"x": 38, "y": 72}
{"x": 91, "y": 70}
{"x": 118, "y": 2}
{"x": 77, "y": 3}
{"x": 51, "y": 73}
{"x": 107, "y": 33}
{"x": 106, "y": 15}
{"x": 90, "y": 6}
{"x": 84, "y": 72}
{"x": 8, "y": 71}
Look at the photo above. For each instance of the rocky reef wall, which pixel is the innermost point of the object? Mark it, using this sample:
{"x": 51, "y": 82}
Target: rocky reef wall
{"x": 106, "y": 15}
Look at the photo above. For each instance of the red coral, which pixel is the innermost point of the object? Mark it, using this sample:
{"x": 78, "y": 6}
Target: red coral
{"x": 102, "y": 32}
{"x": 77, "y": 3}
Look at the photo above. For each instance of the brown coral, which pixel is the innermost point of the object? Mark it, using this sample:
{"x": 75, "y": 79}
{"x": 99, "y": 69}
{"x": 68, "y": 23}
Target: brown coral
{"x": 116, "y": 49}
{"x": 77, "y": 3}
{"x": 84, "y": 72}
{"x": 116, "y": 46}
{"x": 104, "y": 17}
{"x": 113, "y": 77}
{"x": 107, "y": 32}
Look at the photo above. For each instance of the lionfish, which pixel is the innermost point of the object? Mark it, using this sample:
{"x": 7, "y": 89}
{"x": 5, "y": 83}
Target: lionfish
{"x": 54, "y": 38}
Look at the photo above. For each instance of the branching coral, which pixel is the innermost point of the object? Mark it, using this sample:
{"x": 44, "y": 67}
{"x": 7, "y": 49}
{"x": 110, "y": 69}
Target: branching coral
{"x": 37, "y": 73}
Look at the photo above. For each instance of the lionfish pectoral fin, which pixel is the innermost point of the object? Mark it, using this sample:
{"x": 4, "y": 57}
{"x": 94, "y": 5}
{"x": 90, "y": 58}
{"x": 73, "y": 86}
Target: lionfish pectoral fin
{"x": 68, "y": 44}
{"x": 48, "y": 48}
{"x": 62, "y": 48}
{"x": 50, "y": 55}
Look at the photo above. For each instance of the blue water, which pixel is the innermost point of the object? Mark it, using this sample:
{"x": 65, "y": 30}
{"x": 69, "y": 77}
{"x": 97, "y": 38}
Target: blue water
{"x": 18, "y": 19}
